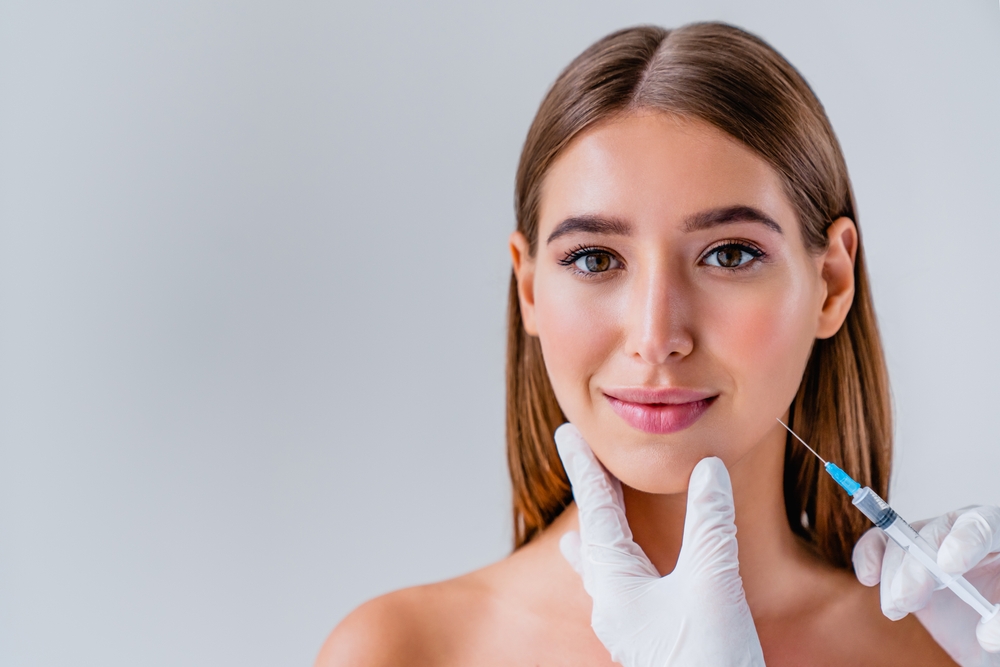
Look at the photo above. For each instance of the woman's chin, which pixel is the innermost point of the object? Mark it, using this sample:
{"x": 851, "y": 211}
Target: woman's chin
{"x": 655, "y": 463}
{"x": 656, "y": 482}
{"x": 652, "y": 472}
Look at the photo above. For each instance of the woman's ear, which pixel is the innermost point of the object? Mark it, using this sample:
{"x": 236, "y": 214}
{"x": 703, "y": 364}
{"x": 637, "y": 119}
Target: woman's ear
{"x": 838, "y": 274}
{"x": 524, "y": 273}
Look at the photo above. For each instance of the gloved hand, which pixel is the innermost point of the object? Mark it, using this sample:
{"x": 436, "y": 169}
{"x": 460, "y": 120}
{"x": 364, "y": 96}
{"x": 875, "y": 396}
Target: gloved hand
{"x": 697, "y": 614}
{"x": 968, "y": 542}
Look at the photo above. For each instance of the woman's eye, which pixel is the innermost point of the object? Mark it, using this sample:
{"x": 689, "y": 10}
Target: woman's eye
{"x": 595, "y": 262}
{"x": 731, "y": 256}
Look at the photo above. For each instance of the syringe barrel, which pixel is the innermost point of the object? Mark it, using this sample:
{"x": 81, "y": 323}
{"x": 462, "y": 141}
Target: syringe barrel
{"x": 909, "y": 539}
{"x": 873, "y": 507}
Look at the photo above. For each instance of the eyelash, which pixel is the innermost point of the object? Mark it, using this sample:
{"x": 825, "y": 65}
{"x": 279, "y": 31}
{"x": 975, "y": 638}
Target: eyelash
{"x": 745, "y": 246}
{"x": 583, "y": 250}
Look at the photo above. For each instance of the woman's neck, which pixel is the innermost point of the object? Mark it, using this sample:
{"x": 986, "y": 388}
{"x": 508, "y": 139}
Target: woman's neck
{"x": 773, "y": 562}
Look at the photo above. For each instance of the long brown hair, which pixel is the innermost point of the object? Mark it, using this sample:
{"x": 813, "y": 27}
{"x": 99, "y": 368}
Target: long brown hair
{"x": 735, "y": 81}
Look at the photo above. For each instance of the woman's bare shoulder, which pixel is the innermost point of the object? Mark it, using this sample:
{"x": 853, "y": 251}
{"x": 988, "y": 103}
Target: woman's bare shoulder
{"x": 377, "y": 633}
{"x": 852, "y": 629}
{"x": 833, "y": 619}
{"x": 472, "y": 619}
{"x": 906, "y": 641}
{"x": 412, "y": 626}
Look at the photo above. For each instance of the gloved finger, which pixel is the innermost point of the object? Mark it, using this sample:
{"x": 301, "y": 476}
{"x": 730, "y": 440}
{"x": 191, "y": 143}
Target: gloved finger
{"x": 867, "y": 556}
{"x": 890, "y": 564}
{"x": 604, "y": 532}
{"x": 570, "y": 547}
{"x": 602, "y": 516}
{"x": 618, "y": 493}
{"x": 709, "y": 542}
{"x": 975, "y": 533}
{"x": 912, "y": 585}
{"x": 988, "y": 634}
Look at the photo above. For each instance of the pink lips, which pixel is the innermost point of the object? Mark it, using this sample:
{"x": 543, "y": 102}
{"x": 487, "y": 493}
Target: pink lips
{"x": 659, "y": 411}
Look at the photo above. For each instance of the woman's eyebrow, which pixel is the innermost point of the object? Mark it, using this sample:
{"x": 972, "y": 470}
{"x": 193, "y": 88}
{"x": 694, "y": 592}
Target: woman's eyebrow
{"x": 728, "y": 215}
{"x": 594, "y": 224}
{"x": 591, "y": 224}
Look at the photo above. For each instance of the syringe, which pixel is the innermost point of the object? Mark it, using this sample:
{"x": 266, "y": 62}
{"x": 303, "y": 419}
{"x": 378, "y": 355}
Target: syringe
{"x": 883, "y": 516}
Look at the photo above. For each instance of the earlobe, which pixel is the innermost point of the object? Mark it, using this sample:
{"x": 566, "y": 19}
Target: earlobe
{"x": 838, "y": 274}
{"x": 524, "y": 273}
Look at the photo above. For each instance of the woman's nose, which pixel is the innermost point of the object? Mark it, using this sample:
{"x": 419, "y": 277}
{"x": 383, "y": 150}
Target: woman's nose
{"x": 659, "y": 318}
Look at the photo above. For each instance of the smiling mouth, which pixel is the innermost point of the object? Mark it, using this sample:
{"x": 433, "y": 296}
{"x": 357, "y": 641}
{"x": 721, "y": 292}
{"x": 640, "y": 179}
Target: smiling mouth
{"x": 659, "y": 411}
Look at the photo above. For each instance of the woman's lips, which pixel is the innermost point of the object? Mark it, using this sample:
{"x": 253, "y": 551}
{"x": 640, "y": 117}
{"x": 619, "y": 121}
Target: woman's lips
{"x": 659, "y": 411}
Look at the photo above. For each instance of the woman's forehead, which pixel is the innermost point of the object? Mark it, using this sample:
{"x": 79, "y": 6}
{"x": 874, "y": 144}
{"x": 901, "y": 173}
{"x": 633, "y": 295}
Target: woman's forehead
{"x": 652, "y": 167}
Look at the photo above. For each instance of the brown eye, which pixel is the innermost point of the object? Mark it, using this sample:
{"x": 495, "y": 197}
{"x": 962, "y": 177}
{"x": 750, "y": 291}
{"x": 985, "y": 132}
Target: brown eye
{"x": 597, "y": 262}
{"x": 591, "y": 261}
{"x": 731, "y": 256}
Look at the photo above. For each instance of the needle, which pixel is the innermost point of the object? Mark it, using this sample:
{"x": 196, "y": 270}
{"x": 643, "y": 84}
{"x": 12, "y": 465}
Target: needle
{"x": 883, "y": 516}
{"x": 802, "y": 441}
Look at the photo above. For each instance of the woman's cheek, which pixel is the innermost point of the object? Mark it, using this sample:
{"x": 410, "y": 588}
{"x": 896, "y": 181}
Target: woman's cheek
{"x": 764, "y": 339}
{"x": 576, "y": 333}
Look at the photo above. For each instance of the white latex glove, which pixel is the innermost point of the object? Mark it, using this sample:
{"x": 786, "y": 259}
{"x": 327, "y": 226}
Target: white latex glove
{"x": 697, "y": 614}
{"x": 968, "y": 542}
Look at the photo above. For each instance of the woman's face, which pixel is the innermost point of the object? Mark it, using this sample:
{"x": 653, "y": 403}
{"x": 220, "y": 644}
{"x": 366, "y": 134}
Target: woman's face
{"x": 673, "y": 296}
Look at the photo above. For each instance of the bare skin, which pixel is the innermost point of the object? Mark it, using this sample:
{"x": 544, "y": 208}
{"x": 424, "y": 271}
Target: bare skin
{"x": 729, "y": 309}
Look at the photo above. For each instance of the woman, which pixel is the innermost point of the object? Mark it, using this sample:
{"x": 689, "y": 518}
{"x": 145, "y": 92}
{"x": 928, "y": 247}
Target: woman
{"x": 687, "y": 268}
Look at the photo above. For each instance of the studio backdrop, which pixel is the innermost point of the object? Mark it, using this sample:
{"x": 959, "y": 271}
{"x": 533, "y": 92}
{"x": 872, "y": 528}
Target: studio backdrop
{"x": 253, "y": 274}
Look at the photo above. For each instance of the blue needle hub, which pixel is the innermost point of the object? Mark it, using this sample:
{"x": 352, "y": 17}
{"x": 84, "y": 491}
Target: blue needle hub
{"x": 842, "y": 478}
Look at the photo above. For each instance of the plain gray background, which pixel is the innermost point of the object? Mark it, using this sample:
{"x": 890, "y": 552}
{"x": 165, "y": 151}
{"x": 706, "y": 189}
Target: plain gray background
{"x": 253, "y": 271}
